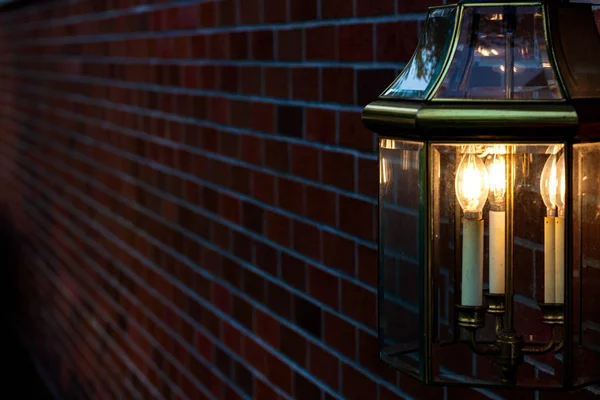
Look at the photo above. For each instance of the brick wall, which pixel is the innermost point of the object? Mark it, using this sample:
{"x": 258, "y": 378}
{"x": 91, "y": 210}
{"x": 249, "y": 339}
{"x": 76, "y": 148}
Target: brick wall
{"x": 197, "y": 196}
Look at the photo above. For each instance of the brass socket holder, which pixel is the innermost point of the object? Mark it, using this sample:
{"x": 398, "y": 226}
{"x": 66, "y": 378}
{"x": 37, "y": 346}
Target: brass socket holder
{"x": 553, "y": 313}
{"x": 495, "y": 303}
{"x": 471, "y": 317}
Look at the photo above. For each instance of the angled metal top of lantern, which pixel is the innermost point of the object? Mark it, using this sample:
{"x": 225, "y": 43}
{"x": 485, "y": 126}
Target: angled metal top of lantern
{"x": 477, "y": 60}
{"x": 489, "y": 147}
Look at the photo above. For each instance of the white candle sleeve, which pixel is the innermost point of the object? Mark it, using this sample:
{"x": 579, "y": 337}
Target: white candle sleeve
{"x": 497, "y": 253}
{"x": 559, "y": 271}
{"x": 472, "y": 263}
{"x": 549, "y": 258}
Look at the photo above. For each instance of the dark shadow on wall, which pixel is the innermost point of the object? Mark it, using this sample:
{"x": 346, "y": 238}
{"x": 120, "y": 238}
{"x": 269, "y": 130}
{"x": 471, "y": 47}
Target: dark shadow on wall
{"x": 21, "y": 378}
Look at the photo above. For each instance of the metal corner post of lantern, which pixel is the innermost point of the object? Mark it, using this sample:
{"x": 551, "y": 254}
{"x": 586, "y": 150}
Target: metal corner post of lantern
{"x": 489, "y": 147}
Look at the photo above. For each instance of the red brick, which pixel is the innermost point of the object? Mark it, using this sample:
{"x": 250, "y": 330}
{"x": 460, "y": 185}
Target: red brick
{"x": 279, "y": 373}
{"x": 290, "y": 121}
{"x": 289, "y": 44}
{"x": 359, "y": 303}
{"x": 207, "y": 14}
{"x": 338, "y": 85}
{"x": 321, "y": 43}
{"x": 221, "y": 297}
{"x": 305, "y": 83}
{"x": 305, "y": 162}
{"x": 264, "y": 187}
{"x": 265, "y": 257}
{"x": 278, "y": 228}
{"x": 250, "y": 12}
{"x": 262, "y": 45}
{"x": 338, "y": 169}
{"x": 250, "y": 81}
{"x": 218, "y": 46}
{"x": 226, "y": 12}
{"x": 366, "y": 7}
{"x": 356, "y": 217}
{"x": 303, "y": 10}
{"x": 356, "y": 42}
{"x": 320, "y": 125}
{"x": 367, "y": 264}
{"x": 340, "y": 335}
{"x": 263, "y": 117}
{"x": 277, "y": 154}
{"x": 267, "y": 328}
{"x": 229, "y": 82}
{"x": 251, "y": 149}
{"x": 277, "y": 82}
{"x": 275, "y": 11}
{"x": 293, "y": 271}
{"x": 337, "y": 8}
{"x": 239, "y": 45}
{"x": 321, "y": 205}
{"x": 353, "y": 133}
{"x": 263, "y": 390}
{"x": 339, "y": 253}
{"x": 307, "y": 240}
{"x": 279, "y": 300}
{"x": 323, "y": 286}
{"x": 291, "y": 195}
{"x": 355, "y": 384}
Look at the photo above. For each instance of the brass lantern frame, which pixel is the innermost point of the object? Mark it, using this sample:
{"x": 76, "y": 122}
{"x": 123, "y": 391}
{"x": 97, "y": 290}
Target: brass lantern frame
{"x": 573, "y": 119}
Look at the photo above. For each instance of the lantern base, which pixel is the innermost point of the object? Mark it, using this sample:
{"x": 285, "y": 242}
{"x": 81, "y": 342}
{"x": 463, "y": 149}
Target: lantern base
{"x": 471, "y": 317}
{"x": 553, "y": 313}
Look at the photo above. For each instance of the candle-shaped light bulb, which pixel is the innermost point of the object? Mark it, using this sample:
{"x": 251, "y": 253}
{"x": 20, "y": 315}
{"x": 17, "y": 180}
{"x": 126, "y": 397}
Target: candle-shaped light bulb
{"x": 497, "y": 178}
{"x": 496, "y": 166}
{"x": 550, "y": 191}
{"x": 559, "y": 197}
{"x": 472, "y": 185}
{"x": 549, "y": 185}
{"x": 472, "y": 188}
{"x": 559, "y": 233}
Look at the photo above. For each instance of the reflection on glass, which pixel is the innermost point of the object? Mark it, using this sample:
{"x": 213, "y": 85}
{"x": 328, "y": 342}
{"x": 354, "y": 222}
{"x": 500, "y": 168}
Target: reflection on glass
{"x": 420, "y": 73}
{"x": 501, "y": 54}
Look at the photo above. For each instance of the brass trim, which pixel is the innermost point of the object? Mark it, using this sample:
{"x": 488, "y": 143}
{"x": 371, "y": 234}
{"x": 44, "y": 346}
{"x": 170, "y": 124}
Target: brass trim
{"x": 498, "y": 122}
{"x": 470, "y": 317}
{"x": 393, "y": 117}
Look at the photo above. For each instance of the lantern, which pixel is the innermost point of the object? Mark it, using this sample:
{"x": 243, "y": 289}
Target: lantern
{"x": 489, "y": 203}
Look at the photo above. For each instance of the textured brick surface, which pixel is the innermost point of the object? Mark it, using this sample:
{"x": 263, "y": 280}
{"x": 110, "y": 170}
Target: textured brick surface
{"x": 198, "y": 195}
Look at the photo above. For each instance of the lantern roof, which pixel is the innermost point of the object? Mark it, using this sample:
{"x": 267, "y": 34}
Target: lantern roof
{"x": 501, "y": 69}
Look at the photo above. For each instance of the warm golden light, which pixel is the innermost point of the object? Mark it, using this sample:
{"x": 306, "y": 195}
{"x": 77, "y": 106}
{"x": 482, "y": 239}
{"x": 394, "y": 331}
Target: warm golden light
{"x": 497, "y": 176}
{"x": 549, "y": 185}
{"x": 471, "y": 183}
{"x": 561, "y": 189}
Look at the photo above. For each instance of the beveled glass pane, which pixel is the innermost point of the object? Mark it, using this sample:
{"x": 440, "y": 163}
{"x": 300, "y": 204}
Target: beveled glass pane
{"x": 586, "y": 262}
{"x": 400, "y": 253}
{"x": 471, "y": 247}
{"x": 501, "y": 54}
{"x": 420, "y": 74}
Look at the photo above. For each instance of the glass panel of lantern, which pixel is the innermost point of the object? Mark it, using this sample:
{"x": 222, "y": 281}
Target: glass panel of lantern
{"x": 401, "y": 250}
{"x": 478, "y": 70}
{"x": 586, "y": 263}
{"x": 469, "y": 249}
